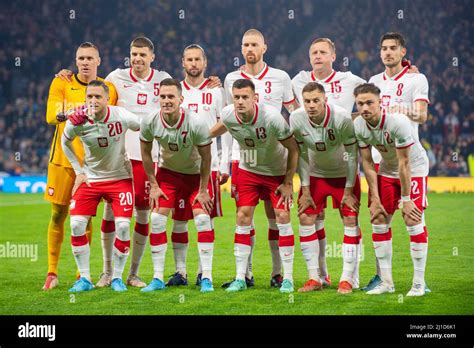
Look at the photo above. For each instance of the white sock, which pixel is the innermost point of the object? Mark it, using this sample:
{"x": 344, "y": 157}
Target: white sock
{"x": 205, "y": 243}
{"x": 274, "y": 249}
{"x": 159, "y": 244}
{"x": 323, "y": 269}
{"x": 121, "y": 246}
{"x": 140, "y": 236}
{"x": 249, "y": 273}
{"x": 107, "y": 237}
{"x": 310, "y": 250}
{"x": 383, "y": 251}
{"x": 287, "y": 249}
{"x": 242, "y": 250}
{"x": 418, "y": 252}
{"x": 180, "y": 240}
{"x": 349, "y": 253}
{"x": 80, "y": 245}
{"x": 360, "y": 256}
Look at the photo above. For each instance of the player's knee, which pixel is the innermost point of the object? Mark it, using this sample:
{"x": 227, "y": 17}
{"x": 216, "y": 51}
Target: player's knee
{"x": 122, "y": 228}
{"x": 58, "y": 214}
{"x": 243, "y": 217}
{"x": 380, "y": 220}
{"x": 158, "y": 222}
{"x": 203, "y": 222}
{"x": 78, "y": 225}
{"x": 320, "y": 216}
{"x": 108, "y": 212}
{"x": 282, "y": 216}
{"x": 142, "y": 216}
{"x": 306, "y": 219}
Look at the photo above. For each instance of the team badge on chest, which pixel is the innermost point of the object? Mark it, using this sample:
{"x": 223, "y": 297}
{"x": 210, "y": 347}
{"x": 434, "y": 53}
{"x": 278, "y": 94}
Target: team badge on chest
{"x": 320, "y": 146}
{"x": 103, "y": 142}
{"x": 142, "y": 98}
{"x": 173, "y": 146}
{"x": 386, "y": 100}
{"x": 193, "y": 107}
{"x": 249, "y": 142}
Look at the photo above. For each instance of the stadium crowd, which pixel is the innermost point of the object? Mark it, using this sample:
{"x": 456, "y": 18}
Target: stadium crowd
{"x": 42, "y": 37}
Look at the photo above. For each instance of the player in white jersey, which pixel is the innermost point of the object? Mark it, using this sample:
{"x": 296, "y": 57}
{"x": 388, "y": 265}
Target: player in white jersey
{"x": 272, "y": 87}
{"x": 339, "y": 90}
{"x": 401, "y": 179}
{"x": 207, "y": 103}
{"x": 106, "y": 173}
{"x": 339, "y": 86}
{"x": 269, "y": 156}
{"x": 183, "y": 173}
{"x": 327, "y": 167}
{"x": 401, "y": 91}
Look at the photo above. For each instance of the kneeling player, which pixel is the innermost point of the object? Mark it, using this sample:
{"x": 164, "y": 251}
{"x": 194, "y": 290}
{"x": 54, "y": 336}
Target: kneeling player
{"x": 402, "y": 175}
{"x": 327, "y": 167}
{"x": 268, "y": 161}
{"x": 106, "y": 173}
{"x": 183, "y": 174}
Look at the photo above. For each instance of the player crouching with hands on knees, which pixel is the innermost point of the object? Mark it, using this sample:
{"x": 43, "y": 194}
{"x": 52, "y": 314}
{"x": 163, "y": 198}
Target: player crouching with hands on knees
{"x": 402, "y": 176}
{"x": 105, "y": 173}
{"x": 183, "y": 173}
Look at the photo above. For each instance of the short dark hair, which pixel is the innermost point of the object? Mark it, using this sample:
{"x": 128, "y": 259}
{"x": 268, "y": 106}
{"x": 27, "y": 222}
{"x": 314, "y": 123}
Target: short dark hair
{"x": 97, "y": 83}
{"x": 88, "y": 44}
{"x": 172, "y": 82}
{"x": 393, "y": 36}
{"x": 243, "y": 83}
{"x": 313, "y": 86}
{"x": 195, "y": 46}
{"x": 366, "y": 88}
{"x": 142, "y": 41}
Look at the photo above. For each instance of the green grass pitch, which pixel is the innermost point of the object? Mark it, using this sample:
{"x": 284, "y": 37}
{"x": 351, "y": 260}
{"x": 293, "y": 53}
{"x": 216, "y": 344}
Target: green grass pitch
{"x": 24, "y": 219}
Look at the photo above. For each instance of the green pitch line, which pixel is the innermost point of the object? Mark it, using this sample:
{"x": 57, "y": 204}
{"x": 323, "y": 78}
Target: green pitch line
{"x": 24, "y": 219}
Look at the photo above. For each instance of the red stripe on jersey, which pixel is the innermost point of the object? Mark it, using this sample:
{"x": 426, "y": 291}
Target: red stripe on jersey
{"x": 404, "y": 147}
{"x": 330, "y": 77}
{"x": 422, "y": 99}
{"x": 382, "y": 121}
{"x": 186, "y": 85}
{"x": 289, "y": 102}
{"x": 398, "y": 76}
{"x": 204, "y": 84}
{"x": 180, "y": 122}
{"x": 381, "y": 237}
{"x": 108, "y": 115}
{"x": 312, "y": 76}
{"x": 132, "y": 77}
{"x": 151, "y": 75}
{"x": 256, "y": 115}
{"x": 351, "y": 239}
{"x": 419, "y": 238}
{"x": 262, "y": 75}
{"x": 328, "y": 115}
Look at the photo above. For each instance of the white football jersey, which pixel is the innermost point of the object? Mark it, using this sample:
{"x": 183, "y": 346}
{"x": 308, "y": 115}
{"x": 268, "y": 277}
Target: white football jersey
{"x": 325, "y": 142}
{"x": 339, "y": 87}
{"x": 178, "y": 143}
{"x": 104, "y": 144}
{"x": 393, "y": 131}
{"x": 141, "y": 97}
{"x": 259, "y": 140}
{"x": 207, "y": 103}
{"x": 403, "y": 89}
{"x": 272, "y": 87}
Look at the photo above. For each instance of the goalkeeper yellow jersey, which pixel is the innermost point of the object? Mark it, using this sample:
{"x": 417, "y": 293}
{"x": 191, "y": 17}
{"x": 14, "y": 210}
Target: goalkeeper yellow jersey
{"x": 63, "y": 96}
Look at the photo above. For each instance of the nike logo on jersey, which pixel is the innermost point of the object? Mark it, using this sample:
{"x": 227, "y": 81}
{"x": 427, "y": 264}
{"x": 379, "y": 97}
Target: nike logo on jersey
{"x": 75, "y": 89}
{"x": 304, "y": 134}
{"x": 234, "y": 129}
{"x": 127, "y": 209}
{"x": 127, "y": 86}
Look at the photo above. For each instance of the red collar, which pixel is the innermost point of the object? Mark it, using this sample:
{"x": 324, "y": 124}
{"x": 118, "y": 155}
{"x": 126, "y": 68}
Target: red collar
{"x": 259, "y": 76}
{"x": 326, "y": 118}
{"x": 134, "y": 79}
{"x": 255, "y": 116}
{"x": 397, "y": 76}
{"x": 328, "y": 79}
{"x": 177, "y": 125}
{"x": 202, "y": 86}
{"x": 380, "y": 124}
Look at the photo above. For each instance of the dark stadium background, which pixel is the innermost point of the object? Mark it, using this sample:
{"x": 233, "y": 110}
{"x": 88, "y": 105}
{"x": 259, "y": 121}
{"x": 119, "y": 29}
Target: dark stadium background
{"x": 41, "y": 37}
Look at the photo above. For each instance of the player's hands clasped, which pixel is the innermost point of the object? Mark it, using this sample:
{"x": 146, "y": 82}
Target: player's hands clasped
{"x": 286, "y": 193}
{"x": 350, "y": 201}
{"x": 77, "y": 116}
{"x": 411, "y": 211}
{"x": 80, "y": 179}
{"x": 376, "y": 209}
{"x": 305, "y": 201}
{"x": 205, "y": 200}
{"x": 155, "y": 194}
